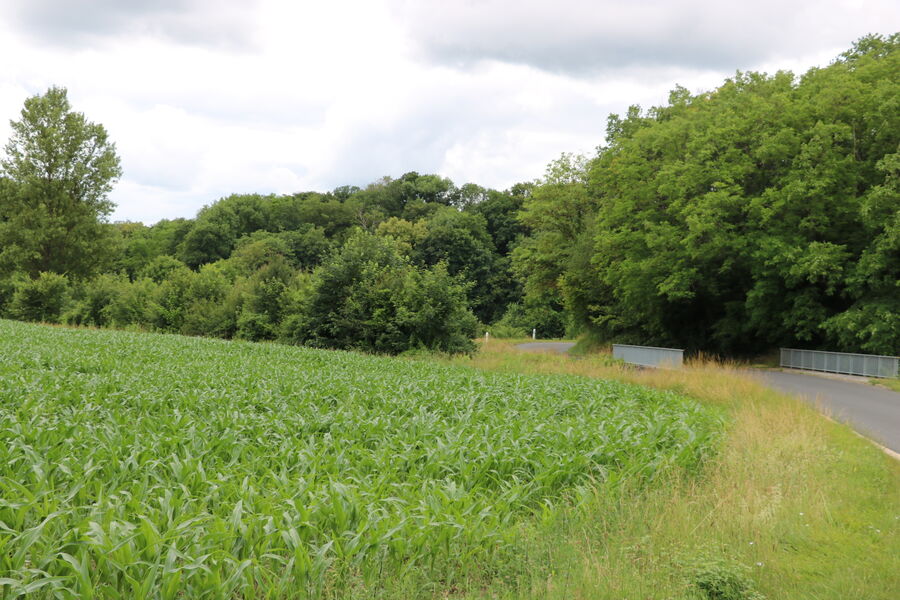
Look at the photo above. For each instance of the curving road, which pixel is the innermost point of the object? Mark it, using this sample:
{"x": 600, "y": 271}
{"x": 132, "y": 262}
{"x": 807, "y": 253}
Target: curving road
{"x": 872, "y": 411}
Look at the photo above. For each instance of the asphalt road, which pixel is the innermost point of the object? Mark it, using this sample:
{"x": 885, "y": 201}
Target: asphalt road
{"x": 872, "y": 411}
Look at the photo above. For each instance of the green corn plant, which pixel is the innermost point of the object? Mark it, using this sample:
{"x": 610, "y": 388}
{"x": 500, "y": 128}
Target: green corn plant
{"x": 150, "y": 466}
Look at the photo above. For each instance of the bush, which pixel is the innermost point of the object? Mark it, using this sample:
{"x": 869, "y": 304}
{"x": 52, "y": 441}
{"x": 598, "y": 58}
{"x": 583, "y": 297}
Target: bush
{"x": 131, "y": 307}
{"x": 167, "y": 307}
{"x": 43, "y": 298}
{"x": 162, "y": 267}
{"x": 264, "y": 300}
{"x": 295, "y": 306}
{"x": 93, "y": 304}
{"x": 435, "y": 312}
{"x": 254, "y": 326}
{"x": 210, "y": 318}
{"x": 871, "y": 326}
{"x": 505, "y": 331}
{"x": 720, "y": 579}
{"x": 212, "y": 303}
{"x": 535, "y": 313}
{"x": 7, "y": 289}
{"x": 369, "y": 297}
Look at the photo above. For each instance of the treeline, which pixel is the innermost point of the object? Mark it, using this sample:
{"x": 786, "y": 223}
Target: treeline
{"x": 763, "y": 213}
{"x": 407, "y": 263}
{"x": 402, "y": 264}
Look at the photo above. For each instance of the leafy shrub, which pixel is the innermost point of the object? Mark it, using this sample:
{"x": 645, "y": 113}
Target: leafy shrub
{"x": 435, "y": 311}
{"x": 871, "y": 326}
{"x": 210, "y": 318}
{"x": 254, "y": 251}
{"x": 92, "y": 307}
{"x": 534, "y": 313}
{"x": 721, "y": 579}
{"x": 162, "y": 267}
{"x": 167, "y": 307}
{"x": 213, "y": 303}
{"x": 40, "y": 299}
{"x": 264, "y": 300}
{"x": 369, "y": 297}
{"x": 507, "y": 331}
{"x": 7, "y": 289}
{"x": 254, "y": 326}
{"x": 132, "y": 305}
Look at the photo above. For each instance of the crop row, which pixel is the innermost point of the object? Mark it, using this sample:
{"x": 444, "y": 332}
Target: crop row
{"x": 138, "y": 465}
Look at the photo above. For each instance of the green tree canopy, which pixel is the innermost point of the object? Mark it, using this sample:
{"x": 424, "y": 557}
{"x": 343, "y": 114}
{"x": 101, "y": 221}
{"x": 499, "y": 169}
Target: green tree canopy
{"x": 762, "y": 213}
{"x": 60, "y": 168}
{"x": 368, "y": 296}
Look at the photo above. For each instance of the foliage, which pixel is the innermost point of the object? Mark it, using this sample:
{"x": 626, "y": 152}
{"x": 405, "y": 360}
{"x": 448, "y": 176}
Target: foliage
{"x": 163, "y": 465}
{"x": 213, "y": 304}
{"x": 720, "y": 579}
{"x": 762, "y": 213}
{"x": 765, "y": 212}
{"x": 808, "y": 504}
{"x": 503, "y": 330}
{"x": 168, "y": 305}
{"x": 142, "y": 244}
{"x": 369, "y": 297}
{"x": 43, "y": 298}
{"x": 461, "y": 241}
{"x": 60, "y": 168}
{"x": 53, "y": 201}
{"x": 406, "y": 235}
{"x": 536, "y": 313}
{"x": 94, "y": 301}
{"x": 7, "y": 289}
{"x": 264, "y": 301}
{"x": 162, "y": 267}
{"x": 500, "y": 211}
{"x": 558, "y": 213}
{"x": 131, "y": 306}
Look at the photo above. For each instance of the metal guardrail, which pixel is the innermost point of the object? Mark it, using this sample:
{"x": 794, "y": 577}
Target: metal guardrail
{"x": 649, "y": 356}
{"x": 867, "y": 365}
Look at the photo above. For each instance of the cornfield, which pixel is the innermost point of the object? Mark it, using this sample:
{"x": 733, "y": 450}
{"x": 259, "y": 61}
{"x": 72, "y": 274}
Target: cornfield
{"x": 148, "y": 466}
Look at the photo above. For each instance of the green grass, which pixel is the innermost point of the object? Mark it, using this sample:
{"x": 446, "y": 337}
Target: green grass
{"x": 891, "y": 384}
{"x": 792, "y": 506}
{"x": 150, "y": 466}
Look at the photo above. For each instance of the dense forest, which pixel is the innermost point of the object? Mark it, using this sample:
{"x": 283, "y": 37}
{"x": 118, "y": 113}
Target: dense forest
{"x": 765, "y": 212}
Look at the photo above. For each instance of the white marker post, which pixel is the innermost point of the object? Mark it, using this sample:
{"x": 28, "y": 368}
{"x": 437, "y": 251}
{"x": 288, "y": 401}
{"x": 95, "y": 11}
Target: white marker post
{"x": 486, "y": 336}
{"x": 534, "y": 334}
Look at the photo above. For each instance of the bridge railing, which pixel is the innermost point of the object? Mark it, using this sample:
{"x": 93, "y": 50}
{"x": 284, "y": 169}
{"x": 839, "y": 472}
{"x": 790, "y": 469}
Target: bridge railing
{"x": 649, "y": 356}
{"x": 847, "y": 363}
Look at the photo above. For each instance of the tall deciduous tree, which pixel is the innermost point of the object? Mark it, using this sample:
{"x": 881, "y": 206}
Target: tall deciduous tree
{"x": 60, "y": 168}
{"x": 762, "y": 213}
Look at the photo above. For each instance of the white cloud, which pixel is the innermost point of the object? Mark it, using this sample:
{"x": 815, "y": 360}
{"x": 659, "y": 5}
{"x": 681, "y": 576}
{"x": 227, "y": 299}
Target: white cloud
{"x": 209, "y": 98}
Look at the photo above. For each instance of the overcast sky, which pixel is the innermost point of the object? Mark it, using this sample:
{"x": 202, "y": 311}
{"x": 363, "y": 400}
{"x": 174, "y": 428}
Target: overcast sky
{"x": 209, "y": 97}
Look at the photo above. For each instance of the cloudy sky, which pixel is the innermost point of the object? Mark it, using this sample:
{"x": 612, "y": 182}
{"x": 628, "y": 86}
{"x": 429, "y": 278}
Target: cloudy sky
{"x": 209, "y": 97}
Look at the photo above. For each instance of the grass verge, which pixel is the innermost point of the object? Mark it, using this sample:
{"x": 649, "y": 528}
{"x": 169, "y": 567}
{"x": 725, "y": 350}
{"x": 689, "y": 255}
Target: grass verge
{"x": 891, "y": 384}
{"x": 794, "y": 505}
